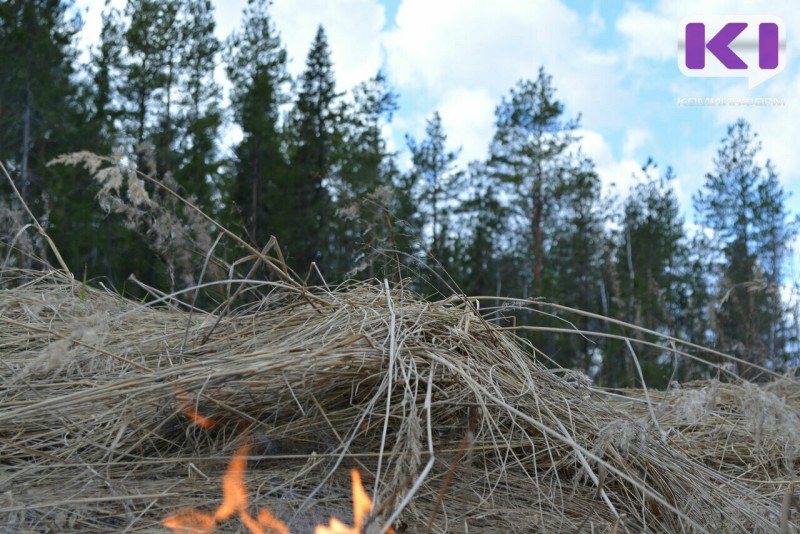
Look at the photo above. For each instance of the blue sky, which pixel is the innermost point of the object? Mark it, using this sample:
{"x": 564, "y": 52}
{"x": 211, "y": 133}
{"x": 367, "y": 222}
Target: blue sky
{"x": 613, "y": 62}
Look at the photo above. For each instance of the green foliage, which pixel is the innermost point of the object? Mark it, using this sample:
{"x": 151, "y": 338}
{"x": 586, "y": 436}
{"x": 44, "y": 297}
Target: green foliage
{"x": 362, "y": 183}
{"x": 434, "y": 183}
{"x": 257, "y": 70}
{"x": 652, "y": 276}
{"x": 314, "y": 170}
{"x": 39, "y": 101}
{"x": 743, "y": 203}
{"x": 201, "y": 117}
{"x": 530, "y": 152}
{"x": 485, "y": 266}
{"x": 306, "y": 208}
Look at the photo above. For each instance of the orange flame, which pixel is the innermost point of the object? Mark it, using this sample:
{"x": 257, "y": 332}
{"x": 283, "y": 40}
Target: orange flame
{"x": 189, "y": 410}
{"x": 235, "y": 499}
{"x": 362, "y": 504}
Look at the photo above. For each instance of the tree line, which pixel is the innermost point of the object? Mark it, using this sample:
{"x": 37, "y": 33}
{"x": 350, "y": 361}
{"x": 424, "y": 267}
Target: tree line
{"x": 313, "y": 169}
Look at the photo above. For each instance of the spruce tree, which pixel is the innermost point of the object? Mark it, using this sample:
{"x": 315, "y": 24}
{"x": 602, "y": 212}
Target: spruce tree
{"x": 200, "y": 116}
{"x": 744, "y": 204}
{"x": 652, "y": 264}
{"x": 303, "y": 222}
{"x": 485, "y": 263}
{"x": 260, "y": 86}
{"x": 574, "y": 259}
{"x": 152, "y": 44}
{"x": 104, "y": 67}
{"x": 38, "y": 94}
{"x": 45, "y": 114}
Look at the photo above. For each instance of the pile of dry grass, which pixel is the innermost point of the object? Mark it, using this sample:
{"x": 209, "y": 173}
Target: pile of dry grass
{"x": 446, "y": 417}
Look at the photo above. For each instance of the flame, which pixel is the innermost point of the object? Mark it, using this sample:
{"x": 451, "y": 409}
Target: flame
{"x": 235, "y": 499}
{"x": 362, "y": 504}
{"x": 234, "y": 492}
{"x": 189, "y": 410}
{"x": 190, "y": 521}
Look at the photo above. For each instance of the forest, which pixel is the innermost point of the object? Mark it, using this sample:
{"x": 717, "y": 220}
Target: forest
{"x": 313, "y": 170}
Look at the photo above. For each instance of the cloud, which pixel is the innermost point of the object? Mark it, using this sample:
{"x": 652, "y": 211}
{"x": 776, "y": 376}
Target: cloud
{"x": 653, "y": 33}
{"x": 453, "y": 42}
{"x": 353, "y": 28}
{"x": 649, "y": 35}
{"x": 440, "y": 47}
{"x": 635, "y": 140}
{"x": 470, "y": 112}
{"x": 617, "y": 176}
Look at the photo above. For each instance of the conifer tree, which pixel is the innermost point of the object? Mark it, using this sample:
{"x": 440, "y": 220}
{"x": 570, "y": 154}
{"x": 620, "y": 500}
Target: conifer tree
{"x": 362, "y": 181}
{"x": 152, "y": 53}
{"x": 260, "y": 86}
{"x": 744, "y": 204}
{"x": 528, "y": 155}
{"x": 200, "y": 117}
{"x": 485, "y": 263}
{"x": 652, "y": 263}
{"x": 44, "y": 114}
{"x": 104, "y": 67}
{"x": 436, "y": 183}
{"x": 574, "y": 257}
{"x": 304, "y": 218}
{"x": 38, "y": 96}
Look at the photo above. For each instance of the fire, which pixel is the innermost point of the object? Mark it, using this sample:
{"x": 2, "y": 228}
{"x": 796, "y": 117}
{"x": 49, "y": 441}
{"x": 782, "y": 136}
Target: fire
{"x": 362, "y": 504}
{"x": 189, "y": 410}
{"x": 235, "y": 499}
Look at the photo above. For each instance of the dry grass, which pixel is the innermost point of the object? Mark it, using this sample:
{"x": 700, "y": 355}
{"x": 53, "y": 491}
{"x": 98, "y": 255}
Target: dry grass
{"x": 447, "y": 418}
{"x": 452, "y": 425}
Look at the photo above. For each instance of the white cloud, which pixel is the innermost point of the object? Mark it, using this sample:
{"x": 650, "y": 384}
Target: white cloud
{"x": 653, "y": 33}
{"x": 353, "y": 28}
{"x": 617, "y": 176}
{"x": 635, "y": 140}
{"x": 470, "y": 112}
{"x": 650, "y": 35}
{"x": 453, "y": 43}
{"x": 438, "y": 47}
{"x": 596, "y": 22}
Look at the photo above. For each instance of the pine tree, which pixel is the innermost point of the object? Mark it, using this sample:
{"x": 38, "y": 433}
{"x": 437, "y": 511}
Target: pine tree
{"x": 574, "y": 258}
{"x": 529, "y": 152}
{"x": 485, "y": 263}
{"x": 303, "y": 222}
{"x": 201, "y": 117}
{"x": 88, "y": 237}
{"x": 743, "y": 203}
{"x": 362, "y": 181}
{"x": 38, "y": 96}
{"x": 436, "y": 183}
{"x": 105, "y": 65}
{"x": 153, "y": 66}
{"x": 44, "y": 114}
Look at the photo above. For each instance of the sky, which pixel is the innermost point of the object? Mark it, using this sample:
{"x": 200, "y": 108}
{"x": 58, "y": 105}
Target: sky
{"x": 614, "y": 63}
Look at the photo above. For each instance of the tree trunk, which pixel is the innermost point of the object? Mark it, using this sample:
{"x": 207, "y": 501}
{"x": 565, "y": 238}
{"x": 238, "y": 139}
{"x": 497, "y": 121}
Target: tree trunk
{"x": 26, "y": 135}
{"x": 536, "y": 229}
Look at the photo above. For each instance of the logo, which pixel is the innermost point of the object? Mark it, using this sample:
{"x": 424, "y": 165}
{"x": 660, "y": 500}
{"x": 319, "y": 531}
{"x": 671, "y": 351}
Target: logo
{"x": 747, "y": 47}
